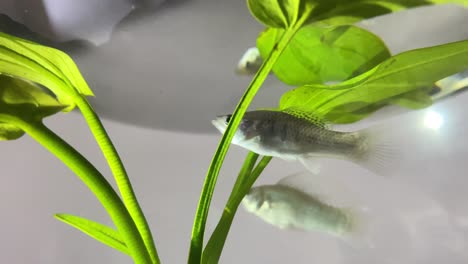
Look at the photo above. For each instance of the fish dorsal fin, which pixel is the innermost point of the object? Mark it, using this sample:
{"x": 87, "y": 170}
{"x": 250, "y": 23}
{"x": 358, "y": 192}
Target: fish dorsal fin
{"x": 309, "y": 116}
{"x": 299, "y": 113}
{"x": 325, "y": 188}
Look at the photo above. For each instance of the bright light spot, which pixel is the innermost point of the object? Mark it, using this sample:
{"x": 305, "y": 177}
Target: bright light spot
{"x": 433, "y": 120}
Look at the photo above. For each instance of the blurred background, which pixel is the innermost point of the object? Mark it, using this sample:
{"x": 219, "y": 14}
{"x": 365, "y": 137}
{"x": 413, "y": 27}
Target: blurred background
{"x": 161, "y": 70}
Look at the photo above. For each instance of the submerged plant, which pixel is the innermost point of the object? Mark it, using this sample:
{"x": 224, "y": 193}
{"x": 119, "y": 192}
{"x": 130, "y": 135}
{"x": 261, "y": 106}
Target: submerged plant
{"x": 306, "y": 43}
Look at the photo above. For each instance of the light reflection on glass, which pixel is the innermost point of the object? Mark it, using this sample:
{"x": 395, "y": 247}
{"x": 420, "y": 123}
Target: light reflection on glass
{"x": 433, "y": 120}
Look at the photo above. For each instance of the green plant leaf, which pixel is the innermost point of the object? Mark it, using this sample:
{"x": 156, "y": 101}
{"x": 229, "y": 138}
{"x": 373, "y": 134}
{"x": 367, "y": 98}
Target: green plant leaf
{"x": 417, "y": 99}
{"x": 100, "y": 232}
{"x": 24, "y": 100}
{"x": 284, "y": 13}
{"x": 401, "y": 76}
{"x": 246, "y": 178}
{"x": 40, "y": 64}
{"x": 280, "y": 13}
{"x": 320, "y": 55}
{"x": 340, "y": 12}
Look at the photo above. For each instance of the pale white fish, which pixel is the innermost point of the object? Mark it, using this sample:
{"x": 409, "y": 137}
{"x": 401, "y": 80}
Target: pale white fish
{"x": 250, "y": 62}
{"x": 307, "y": 202}
{"x": 388, "y": 218}
{"x": 295, "y": 137}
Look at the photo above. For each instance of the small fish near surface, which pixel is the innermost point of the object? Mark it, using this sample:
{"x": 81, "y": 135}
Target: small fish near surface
{"x": 289, "y": 207}
{"x": 250, "y": 62}
{"x": 450, "y": 86}
{"x": 303, "y": 137}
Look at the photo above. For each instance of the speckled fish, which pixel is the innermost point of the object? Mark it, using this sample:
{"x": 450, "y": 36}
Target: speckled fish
{"x": 299, "y": 137}
{"x": 288, "y": 207}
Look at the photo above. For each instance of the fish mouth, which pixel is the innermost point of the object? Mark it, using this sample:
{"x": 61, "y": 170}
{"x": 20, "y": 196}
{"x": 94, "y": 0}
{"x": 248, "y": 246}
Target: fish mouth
{"x": 219, "y": 123}
{"x": 249, "y": 203}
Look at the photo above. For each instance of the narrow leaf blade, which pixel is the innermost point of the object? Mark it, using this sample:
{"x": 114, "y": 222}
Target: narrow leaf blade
{"x": 246, "y": 178}
{"x": 100, "y": 232}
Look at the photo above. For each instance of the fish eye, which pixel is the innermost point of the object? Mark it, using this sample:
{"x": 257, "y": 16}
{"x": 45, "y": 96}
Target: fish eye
{"x": 259, "y": 204}
{"x": 260, "y": 195}
{"x": 228, "y": 118}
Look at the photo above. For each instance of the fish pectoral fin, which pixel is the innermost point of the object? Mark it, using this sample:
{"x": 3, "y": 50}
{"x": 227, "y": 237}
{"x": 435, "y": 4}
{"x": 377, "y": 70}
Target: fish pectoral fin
{"x": 284, "y": 226}
{"x": 310, "y": 163}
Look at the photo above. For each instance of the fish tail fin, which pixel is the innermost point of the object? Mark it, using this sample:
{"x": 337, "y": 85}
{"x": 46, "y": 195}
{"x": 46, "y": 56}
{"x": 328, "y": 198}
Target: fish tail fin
{"x": 375, "y": 150}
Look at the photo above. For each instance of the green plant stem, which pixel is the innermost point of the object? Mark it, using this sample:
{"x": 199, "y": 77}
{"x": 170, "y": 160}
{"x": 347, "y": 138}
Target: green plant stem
{"x": 120, "y": 175}
{"x": 247, "y": 184}
{"x": 246, "y": 170}
{"x": 244, "y": 182}
{"x": 95, "y": 182}
{"x": 201, "y": 215}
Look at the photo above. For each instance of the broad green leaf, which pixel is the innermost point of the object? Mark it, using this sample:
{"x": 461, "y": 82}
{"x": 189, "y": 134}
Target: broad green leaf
{"x": 341, "y": 114}
{"x": 417, "y": 99}
{"x": 23, "y": 100}
{"x": 280, "y": 13}
{"x": 284, "y": 13}
{"x": 413, "y": 100}
{"x": 100, "y": 232}
{"x": 401, "y": 76}
{"x": 340, "y": 12}
{"x": 47, "y": 66}
{"x": 320, "y": 55}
